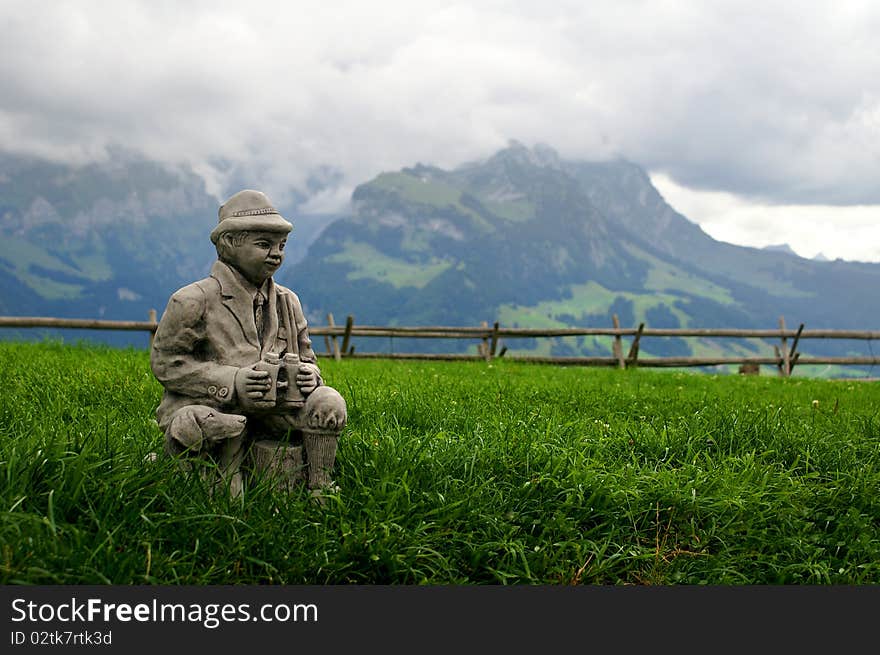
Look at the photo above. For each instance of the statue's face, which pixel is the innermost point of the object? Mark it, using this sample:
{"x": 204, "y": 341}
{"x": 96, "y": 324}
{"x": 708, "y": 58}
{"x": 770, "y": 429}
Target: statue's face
{"x": 259, "y": 255}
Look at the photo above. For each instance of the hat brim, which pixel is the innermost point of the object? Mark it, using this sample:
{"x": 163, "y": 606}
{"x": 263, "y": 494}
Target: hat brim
{"x": 260, "y": 223}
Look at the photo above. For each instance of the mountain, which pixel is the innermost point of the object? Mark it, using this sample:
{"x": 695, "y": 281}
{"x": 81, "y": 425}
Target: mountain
{"x": 98, "y": 240}
{"x": 530, "y": 239}
{"x": 110, "y": 240}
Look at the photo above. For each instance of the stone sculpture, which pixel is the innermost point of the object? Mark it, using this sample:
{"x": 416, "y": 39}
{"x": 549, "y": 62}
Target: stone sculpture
{"x": 232, "y": 351}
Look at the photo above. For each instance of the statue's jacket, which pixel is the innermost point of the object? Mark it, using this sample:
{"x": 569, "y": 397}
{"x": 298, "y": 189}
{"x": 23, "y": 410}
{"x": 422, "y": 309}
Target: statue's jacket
{"x": 208, "y": 332}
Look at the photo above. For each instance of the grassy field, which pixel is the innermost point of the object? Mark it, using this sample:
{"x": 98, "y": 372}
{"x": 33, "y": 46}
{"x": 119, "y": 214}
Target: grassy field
{"x": 453, "y": 473}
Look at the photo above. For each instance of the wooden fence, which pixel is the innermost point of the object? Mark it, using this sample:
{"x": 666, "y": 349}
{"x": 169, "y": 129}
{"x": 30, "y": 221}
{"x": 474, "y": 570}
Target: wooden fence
{"x": 489, "y": 341}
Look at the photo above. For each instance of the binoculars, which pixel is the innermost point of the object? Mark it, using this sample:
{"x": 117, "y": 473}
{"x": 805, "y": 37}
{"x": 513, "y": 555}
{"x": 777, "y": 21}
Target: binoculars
{"x": 284, "y": 392}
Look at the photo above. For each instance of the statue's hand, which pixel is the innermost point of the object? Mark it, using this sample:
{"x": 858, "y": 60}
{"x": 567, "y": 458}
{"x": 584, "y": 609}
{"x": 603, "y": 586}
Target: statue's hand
{"x": 308, "y": 378}
{"x": 251, "y": 385}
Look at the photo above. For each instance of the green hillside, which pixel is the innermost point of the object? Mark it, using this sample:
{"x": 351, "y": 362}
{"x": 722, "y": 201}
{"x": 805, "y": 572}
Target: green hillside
{"x": 452, "y": 473}
{"x": 106, "y": 240}
{"x": 529, "y": 239}
{"x": 102, "y": 240}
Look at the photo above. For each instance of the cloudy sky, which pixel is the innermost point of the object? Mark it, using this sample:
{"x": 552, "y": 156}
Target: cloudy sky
{"x": 758, "y": 120}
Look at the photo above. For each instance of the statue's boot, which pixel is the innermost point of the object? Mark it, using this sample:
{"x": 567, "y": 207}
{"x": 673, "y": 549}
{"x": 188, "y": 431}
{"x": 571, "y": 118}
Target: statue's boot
{"x": 325, "y": 418}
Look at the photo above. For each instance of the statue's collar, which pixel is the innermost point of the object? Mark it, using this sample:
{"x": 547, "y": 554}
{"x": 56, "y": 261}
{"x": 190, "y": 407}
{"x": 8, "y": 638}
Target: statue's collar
{"x": 233, "y": 283}
{"x": 238, "y": 297}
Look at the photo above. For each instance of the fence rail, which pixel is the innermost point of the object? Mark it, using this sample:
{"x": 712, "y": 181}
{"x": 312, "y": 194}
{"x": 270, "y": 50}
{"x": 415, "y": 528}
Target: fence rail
{"x": 80, "y": 323}
{"x": 479, "y": 332}
{"x": 489, "y": 337}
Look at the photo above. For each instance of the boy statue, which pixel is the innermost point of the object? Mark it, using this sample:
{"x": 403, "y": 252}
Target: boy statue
{"x": 233, "y": 354}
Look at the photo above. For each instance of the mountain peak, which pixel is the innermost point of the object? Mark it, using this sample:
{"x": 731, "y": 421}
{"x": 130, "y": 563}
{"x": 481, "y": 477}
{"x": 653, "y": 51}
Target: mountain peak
{"x": 540, "y": 155}
{"x": 781, "y": 247}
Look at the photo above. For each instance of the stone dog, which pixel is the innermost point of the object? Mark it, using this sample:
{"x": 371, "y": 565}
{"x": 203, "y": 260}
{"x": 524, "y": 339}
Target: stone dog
{"x": 199, "y": 427}
{"x": 199, "y": 430}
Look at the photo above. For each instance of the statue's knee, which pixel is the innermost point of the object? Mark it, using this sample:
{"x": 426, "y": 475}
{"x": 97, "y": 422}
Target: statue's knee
{"x": 325, "y": 410}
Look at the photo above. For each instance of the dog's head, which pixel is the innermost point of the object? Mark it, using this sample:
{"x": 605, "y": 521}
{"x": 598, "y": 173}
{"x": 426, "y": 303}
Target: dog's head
{"x": 196, "y": 426}
{"x": 217, "y": 426}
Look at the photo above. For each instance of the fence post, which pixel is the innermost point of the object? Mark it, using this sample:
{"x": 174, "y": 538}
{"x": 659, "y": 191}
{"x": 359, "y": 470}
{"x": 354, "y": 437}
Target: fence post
{"x": 617, "y": 347}
{"x": 333, "y": 340}
{"x": 349, "y": 322}
{"x": 785, "y": 364}
{"x": 326, "y": 337}
{"x": 483, "y": 347}
{"x": 633, "y": 357}
{"x": 493, "y": 348}
{"x": 152, "y": 318}
{"x": 793, "y": 354}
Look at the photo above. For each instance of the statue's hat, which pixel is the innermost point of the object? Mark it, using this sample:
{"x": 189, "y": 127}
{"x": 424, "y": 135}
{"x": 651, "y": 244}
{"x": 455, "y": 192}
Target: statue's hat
{"x": 249, "y": 210}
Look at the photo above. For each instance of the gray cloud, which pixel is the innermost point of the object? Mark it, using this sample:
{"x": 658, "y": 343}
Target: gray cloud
{"x": 778, "y": 103}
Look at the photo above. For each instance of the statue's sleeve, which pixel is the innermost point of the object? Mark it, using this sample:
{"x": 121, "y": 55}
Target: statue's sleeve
{"x": 176, "y": 357}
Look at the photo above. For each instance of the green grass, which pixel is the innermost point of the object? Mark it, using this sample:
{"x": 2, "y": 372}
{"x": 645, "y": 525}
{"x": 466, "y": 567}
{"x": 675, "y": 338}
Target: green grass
{"x": 440, "y": 194}
{"x": 663, "y": 276}
{"x": 414, "y": 188}
{"x": 453, "y": 473}
{"x": 433, "y": 193}
{"x": 587, "y": 298}
{"x": 370, "y": 264}
{"x": 20, "y": 255}
{"x": 517, "y": 210}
